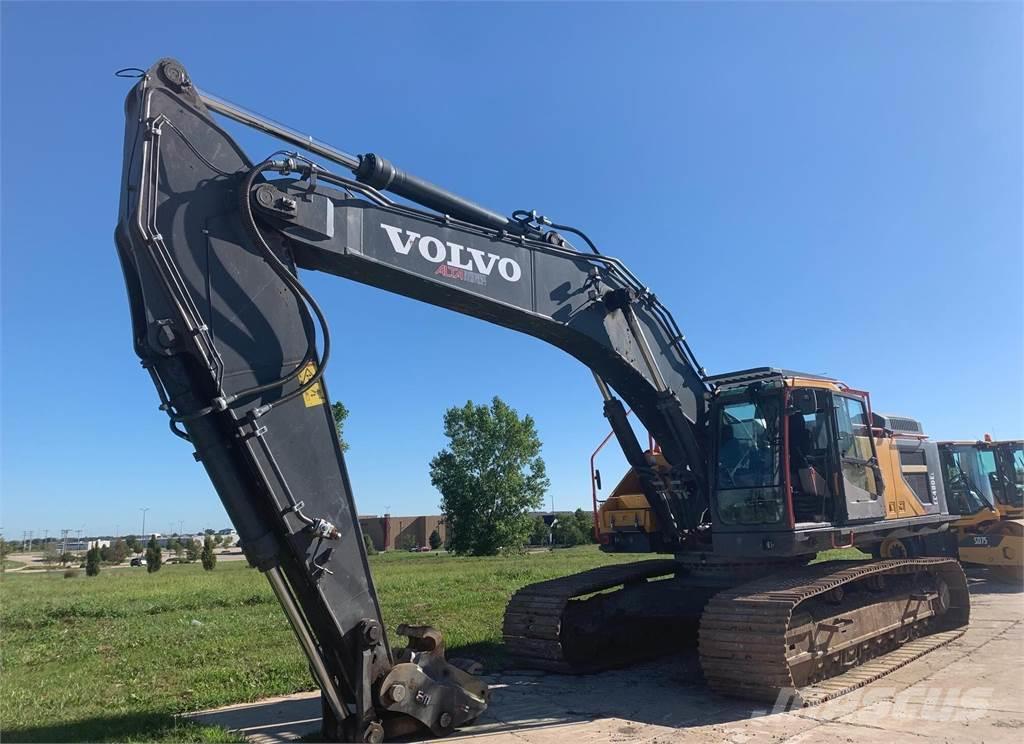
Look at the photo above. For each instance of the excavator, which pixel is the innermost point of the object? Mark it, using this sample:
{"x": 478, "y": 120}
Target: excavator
{"x": 756, "y": 472}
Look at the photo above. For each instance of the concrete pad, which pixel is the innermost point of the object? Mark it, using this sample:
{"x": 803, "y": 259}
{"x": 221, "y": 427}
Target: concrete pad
{"x": 971, "y": 690}
{"x": 280, "y": 719}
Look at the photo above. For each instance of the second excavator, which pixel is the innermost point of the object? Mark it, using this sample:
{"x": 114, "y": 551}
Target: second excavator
{"x": 757, "y": 470}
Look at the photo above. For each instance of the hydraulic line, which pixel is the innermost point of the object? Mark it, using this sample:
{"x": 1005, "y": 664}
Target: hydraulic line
{"x": 296, "y": 286}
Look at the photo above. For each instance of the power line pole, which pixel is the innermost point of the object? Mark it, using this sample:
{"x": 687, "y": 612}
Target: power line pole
{"x": 64, "y": 541}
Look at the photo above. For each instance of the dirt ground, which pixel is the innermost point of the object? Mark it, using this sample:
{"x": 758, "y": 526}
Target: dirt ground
{"x": 971, "y": 690}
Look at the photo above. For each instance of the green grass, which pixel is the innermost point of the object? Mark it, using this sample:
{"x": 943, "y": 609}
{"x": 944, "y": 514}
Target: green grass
{"x": 113, "y": 658}
{"x": 8, "y": 563}
{"x": 841, "y": 554}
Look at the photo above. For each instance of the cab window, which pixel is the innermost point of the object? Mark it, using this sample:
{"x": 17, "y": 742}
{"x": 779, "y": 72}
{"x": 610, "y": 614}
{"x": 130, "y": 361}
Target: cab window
{"x": 748, "y": 475}
{"x": 854, "y": 432}
{"x": 991, "y": 473}
{"x": 854, "y": 441}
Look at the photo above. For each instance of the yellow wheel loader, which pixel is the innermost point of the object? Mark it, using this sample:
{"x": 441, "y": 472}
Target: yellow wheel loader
{"x": 984, "y": 483}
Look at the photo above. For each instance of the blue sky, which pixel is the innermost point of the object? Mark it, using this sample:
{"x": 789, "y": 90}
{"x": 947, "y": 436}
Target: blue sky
{"x": 830, "y": 187}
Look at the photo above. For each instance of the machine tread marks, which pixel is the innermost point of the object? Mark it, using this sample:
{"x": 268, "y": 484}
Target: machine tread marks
{"x": 743, "y": 631}
{"x": 532, "y": 628}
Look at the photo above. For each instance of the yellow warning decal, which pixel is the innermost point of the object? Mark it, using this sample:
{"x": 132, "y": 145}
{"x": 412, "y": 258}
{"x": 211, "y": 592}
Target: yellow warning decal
{"x": 315, "y": 395}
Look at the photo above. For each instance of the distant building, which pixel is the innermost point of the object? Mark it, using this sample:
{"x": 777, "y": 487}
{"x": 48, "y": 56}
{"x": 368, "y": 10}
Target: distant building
{"x": 78, "y": 546}
{"x": 228, "y": 537}
{"x": 390, "y": 533}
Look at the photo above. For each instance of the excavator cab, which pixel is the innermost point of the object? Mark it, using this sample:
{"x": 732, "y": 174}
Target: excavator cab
{"x": 779, "y": 452}
{"x": 799, "y": 463}
{"x": 793, "y": 451}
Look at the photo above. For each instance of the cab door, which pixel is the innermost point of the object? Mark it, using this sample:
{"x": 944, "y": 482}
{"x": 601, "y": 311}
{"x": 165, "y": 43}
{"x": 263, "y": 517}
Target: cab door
{"x": 1009, "y": 477}
{"x": 858, "y": 469}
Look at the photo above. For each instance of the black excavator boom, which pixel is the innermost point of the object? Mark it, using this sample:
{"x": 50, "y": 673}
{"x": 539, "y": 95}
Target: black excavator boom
{"x": 210, "y": 243}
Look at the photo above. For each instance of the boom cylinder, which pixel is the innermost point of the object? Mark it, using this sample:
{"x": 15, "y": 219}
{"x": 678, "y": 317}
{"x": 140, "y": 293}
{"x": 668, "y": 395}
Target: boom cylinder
{"x": 380, "y": 173}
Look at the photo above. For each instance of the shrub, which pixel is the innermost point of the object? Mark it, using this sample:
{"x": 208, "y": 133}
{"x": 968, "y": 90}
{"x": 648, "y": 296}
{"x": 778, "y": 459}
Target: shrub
{"x": 92, "y": 561}
{"x": 208, "y": 557}
{"x": 370, "y": 547}
{"x": 435, "y": 540}
{"x": 70, "y": 573}
{"x": 154, "y": 556}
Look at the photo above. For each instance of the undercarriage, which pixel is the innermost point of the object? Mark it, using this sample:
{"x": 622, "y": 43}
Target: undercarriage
{"x": 809, "y": 632}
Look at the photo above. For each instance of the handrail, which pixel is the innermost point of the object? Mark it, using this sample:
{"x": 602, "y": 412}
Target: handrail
{"x": 593, "y": 480}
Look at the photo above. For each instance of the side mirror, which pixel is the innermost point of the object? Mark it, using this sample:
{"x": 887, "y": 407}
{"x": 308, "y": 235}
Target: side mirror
{"x": 804, "y": 400}
{"x": 597, "y": 478}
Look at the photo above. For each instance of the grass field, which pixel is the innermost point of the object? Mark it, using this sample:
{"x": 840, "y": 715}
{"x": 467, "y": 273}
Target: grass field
{"x": 113, "y": 658}
{"x": 116, "y": 656}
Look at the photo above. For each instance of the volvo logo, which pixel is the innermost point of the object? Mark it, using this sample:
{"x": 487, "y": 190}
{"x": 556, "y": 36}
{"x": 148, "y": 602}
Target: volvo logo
{"x": 459, "y": 258}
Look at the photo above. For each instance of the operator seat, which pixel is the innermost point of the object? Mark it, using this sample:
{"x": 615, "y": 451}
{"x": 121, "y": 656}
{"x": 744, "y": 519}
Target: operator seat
{"x": 809, "y": 486}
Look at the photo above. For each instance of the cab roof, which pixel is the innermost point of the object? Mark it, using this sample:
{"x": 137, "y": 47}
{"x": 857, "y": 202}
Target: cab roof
{"x": 764, "y": 374}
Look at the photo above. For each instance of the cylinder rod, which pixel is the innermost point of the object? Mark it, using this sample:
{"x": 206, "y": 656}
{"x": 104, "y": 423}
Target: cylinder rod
{"x": 256, "y": 121}
{"x": 298, "y": 623}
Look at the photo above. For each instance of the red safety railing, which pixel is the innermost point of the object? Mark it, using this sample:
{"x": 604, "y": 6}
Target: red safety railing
{"x": 593, "y": 480}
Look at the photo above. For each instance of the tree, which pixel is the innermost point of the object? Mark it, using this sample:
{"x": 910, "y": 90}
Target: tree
{"x": 490, "y": 475}
{"x": 192, "y": 551}
{"x": 92, "y": 561}
{"x": 51, "y": 557}
{"x": 118, "y": 551}
{"x": 133, "y": 544}
{"x": 566, "y": 531}
{"x": 406, "y": 542}
{"x": 434, "y": 540}
{"x": 340, "y": 413}
{"x": 154, "y": 556}
{"x": 539, "y": 532}
{"x": 208, "y": 557}
{"x": 371, "y": 549}
{"x": 217, "y": 540}
{"x": 585, "y": 524}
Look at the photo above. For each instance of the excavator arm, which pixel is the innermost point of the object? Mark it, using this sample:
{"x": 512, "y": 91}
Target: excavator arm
{"x": 210, "y": 243}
